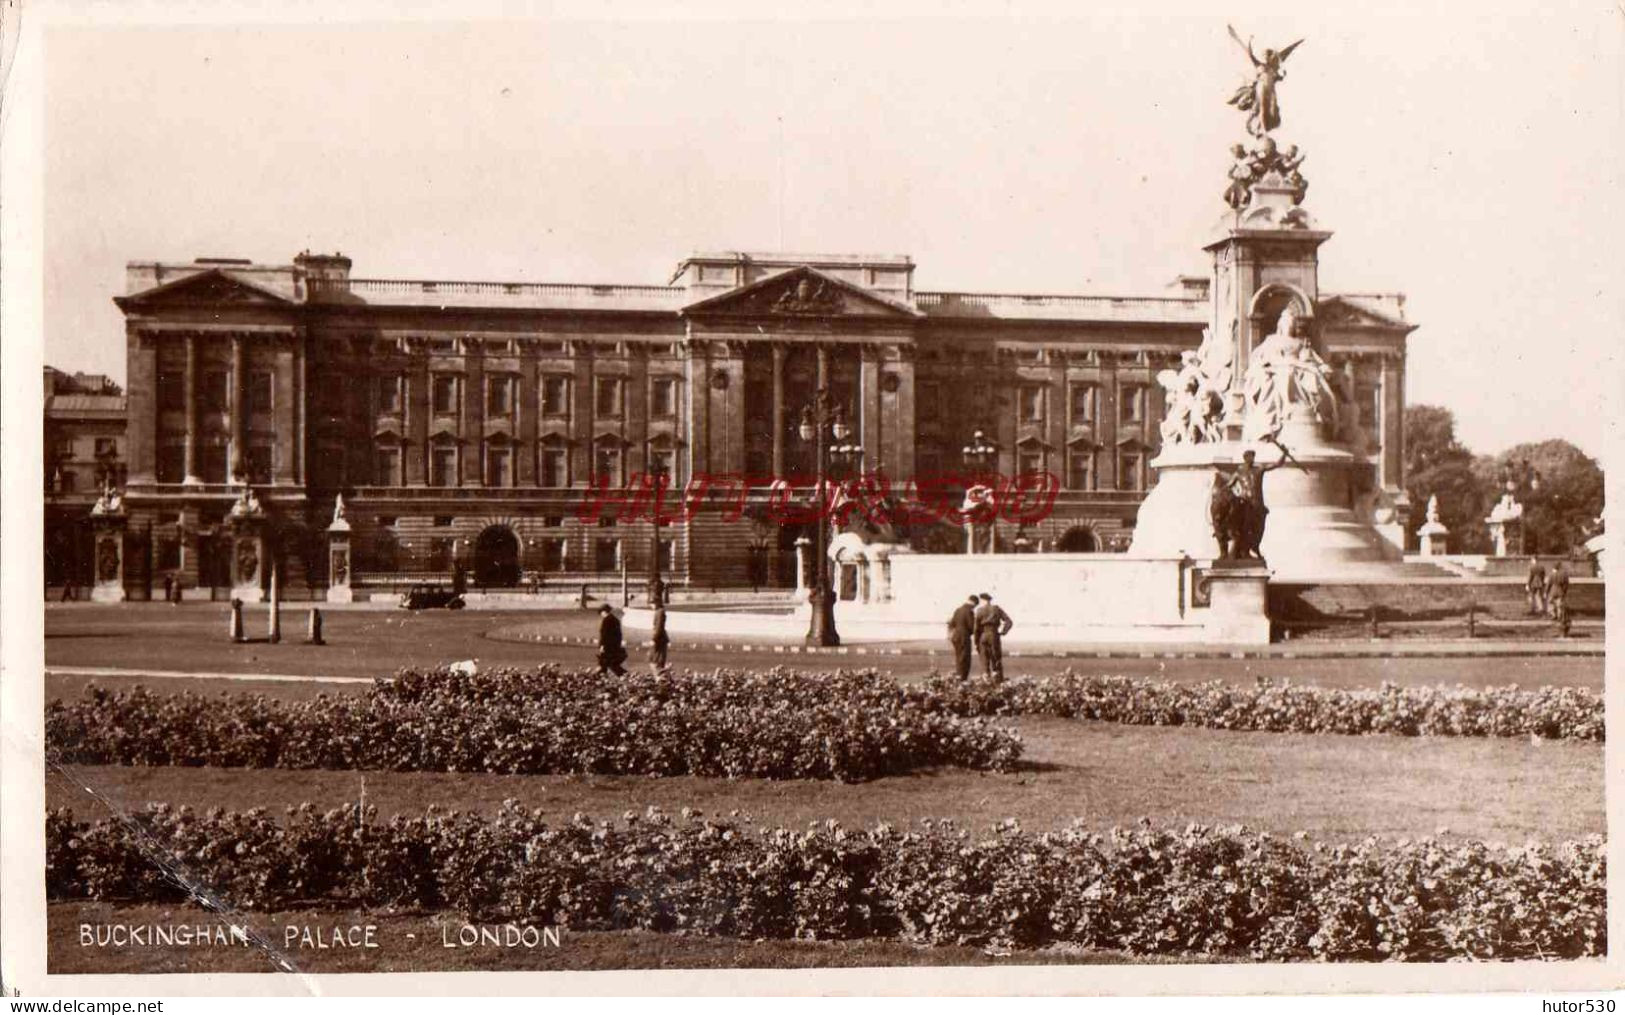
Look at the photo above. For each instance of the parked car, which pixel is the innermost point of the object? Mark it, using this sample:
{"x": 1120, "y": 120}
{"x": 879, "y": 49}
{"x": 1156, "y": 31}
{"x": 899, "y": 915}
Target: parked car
{"x": 430, "y": 597}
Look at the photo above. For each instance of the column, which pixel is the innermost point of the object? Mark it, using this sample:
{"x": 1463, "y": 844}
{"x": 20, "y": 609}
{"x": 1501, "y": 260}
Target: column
{"x": 237, "y": 461}
{"x": 528, "y": 431}
{"x": 472, "y": 458}
{"x": 1393, "y": 419}
{"x": 286, "y": 437}
{"x": 142, "y": 390}
{"x": 778, "y": 410}
{"x": 192, "y": 427}
{"x": 900, "y": 459}
{"x": 1106, "y": 423}
{"x": 868, "y": 422}
{"x": 415, "y": 454}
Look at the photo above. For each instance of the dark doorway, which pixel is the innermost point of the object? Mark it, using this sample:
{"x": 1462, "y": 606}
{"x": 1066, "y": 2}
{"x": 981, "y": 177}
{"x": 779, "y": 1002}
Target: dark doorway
{"x": 1079, "y": 539}
{"x": 496, "y": 558}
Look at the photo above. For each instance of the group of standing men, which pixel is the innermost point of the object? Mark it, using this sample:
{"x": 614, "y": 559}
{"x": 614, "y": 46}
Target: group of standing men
{"x": 978, "y": 621}
{"x": 1548, "y": 590}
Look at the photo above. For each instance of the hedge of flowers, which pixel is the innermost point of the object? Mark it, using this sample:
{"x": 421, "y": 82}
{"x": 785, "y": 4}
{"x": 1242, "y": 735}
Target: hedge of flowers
{"x": 1148, "y": 890}
{"x": 1555, "y": 713}
{"x": 778, "y": 724}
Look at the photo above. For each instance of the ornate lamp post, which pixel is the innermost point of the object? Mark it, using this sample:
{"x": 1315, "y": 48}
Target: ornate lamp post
{"x": 979, "y": 456}
{"x": 657, "y": 587}
{"x": 823, "y": 418}
{"x": 1521, "y": 482}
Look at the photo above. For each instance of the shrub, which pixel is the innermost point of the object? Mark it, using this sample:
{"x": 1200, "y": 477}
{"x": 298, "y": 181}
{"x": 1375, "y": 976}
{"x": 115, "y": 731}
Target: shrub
{"x": 1555, "y": 713}
{"x": 778, "y": 724}
{"x": 1147, "y": 890}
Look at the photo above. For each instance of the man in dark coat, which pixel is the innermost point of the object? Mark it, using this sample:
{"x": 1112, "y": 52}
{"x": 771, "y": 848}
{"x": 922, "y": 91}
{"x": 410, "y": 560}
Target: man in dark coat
{"x": 961, "y": 632}
{"x": 992, "y": 624}
{"x": 1535, "y": 584}
{"x": 1557, "y": 591}
{"x": 659, "y": 640}
{"x": 611, "y": 649}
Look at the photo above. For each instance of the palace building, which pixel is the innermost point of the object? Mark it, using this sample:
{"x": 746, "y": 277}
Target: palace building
{"x": 464, "y": 423}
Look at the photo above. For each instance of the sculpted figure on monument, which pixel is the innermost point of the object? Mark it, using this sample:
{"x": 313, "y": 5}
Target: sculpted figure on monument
{"x": 1288, "y": 167}
{"x": 1258, "y": 97}
{"x": 1244, "y": 514}
{"x": 1287, "y": 380}
{"x": 1194, "y": 399}
{"x": 1242, "y": 178}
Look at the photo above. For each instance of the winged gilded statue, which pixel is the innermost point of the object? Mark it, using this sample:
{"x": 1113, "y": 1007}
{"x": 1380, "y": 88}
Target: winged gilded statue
{"x": 1257, "y": 97}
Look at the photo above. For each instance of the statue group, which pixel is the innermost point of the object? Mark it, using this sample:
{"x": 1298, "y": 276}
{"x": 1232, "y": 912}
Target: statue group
{"x": 1259, "y": 99}
{"x": 1236, "y": 506}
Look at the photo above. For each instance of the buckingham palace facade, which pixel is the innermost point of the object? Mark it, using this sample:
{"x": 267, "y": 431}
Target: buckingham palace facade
{"x": 465, "y": 423}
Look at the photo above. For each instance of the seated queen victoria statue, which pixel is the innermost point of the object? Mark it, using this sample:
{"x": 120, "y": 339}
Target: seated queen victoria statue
{"x": 1288, "y": 381}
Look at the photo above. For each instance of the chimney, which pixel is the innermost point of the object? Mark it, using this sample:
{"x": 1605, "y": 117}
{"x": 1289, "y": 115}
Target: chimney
{"x": 329, "y": 272}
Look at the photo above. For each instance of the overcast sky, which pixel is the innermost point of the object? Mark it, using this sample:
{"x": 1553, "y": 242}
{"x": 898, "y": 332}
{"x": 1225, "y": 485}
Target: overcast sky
{"x": 1469, "y": 158}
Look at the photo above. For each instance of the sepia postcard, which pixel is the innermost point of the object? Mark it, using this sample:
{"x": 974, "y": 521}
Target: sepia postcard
{"x": 756, "y": 498}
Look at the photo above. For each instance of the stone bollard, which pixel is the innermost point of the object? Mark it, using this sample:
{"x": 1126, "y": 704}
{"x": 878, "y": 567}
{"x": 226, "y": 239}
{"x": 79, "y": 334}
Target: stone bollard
{"x": 583, "y": 595}
{"x": 236, "y": 620}
{"x": 313, "y": 634}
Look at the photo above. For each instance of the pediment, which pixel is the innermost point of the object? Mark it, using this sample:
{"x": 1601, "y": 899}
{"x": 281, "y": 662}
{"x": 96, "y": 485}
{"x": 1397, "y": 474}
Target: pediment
{"x": 211, "y": 288}
{"x": 803, "y": 292}
{"x": 1357, "y": 312}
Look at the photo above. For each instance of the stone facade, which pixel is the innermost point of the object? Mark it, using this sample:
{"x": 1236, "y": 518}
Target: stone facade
{"x": 84, "y": 451}
{"x": 466, "y": 423}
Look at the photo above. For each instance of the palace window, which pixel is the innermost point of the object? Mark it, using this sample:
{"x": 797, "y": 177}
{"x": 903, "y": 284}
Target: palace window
{"x": 664, "y": 462}
{"x": 171, "y": 390}
{"x": 105, "y": 447}
{"x": 1083, "y": 399}
{"x": 928, "y": 399}
{"x": 169, "y": 554}
{"x": 1081, "y": 469}
{"x": 387, "y": 467}
{"x": 216, "y": 393}
{"x": 552, "y": 555}
{"x": 556, "y": 395}
{"x": 607, "y": 396}
{"x": 606, "y": 464}
{"x": 258, "y": 459}
{"x": 212, "y": 463}
{"x": 257, "y": 392}
{"x": 499, "y": 395}
{"x": 555, "y": 465}
{"x": 498, "y": 466}
{"x": 441, "y": 550}
{"x": 443, "y": 463}
{"x": 1030, "y": 461}
{"x": 1032, "y": 403}
{"x": 606, "y": 555}
{"x": 389, "y": 393}
{"x": 171, "y": 463}
{"x": 1131, "y": 404}
{"x": 1130, "y": 470}
{"x": 663, "y": 397}
{"x": 668, "y": 555}
{"x": 444, "y": 397}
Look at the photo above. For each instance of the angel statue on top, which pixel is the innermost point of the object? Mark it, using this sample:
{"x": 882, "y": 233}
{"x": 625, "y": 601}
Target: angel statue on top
{"x": 1257, "y": 97}
{"x": 1287, "y": 379}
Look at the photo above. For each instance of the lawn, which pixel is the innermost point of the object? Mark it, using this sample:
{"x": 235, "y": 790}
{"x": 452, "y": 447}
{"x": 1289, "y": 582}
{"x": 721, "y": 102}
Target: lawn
{"x": 1334, "y": 787}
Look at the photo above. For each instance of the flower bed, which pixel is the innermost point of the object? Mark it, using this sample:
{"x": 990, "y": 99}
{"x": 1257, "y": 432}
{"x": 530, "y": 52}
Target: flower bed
{"x": 1566, "y": 713}
{"x": 778, "y": 724}
{"x": 1146, "y": 890}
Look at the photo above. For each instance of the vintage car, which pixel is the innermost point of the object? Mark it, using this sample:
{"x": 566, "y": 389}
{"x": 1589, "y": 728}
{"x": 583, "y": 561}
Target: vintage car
{"x": 430, "y": 597}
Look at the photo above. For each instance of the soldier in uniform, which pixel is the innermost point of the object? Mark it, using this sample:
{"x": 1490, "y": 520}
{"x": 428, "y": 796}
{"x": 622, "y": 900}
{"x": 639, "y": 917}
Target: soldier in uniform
{"x": 992, "y": 624}
{"x": 1535, "y": 585}
{"x": 961, "y": 632}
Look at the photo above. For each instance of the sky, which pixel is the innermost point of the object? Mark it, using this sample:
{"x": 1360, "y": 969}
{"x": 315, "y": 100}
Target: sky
{"x": 1467, "y": 156}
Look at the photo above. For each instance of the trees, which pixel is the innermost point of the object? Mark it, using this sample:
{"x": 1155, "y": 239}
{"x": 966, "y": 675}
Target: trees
{"x": 1436, "y": 464}
{"x": 1560, "y": 507}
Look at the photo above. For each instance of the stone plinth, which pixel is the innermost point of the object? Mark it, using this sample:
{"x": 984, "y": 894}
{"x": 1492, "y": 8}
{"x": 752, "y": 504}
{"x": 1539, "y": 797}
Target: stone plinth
{"x": 1238, "y": 601}
{"x": 248, "y": 559}
{"x": 109, "y": 558}
{"x": 339, "y": 589}
{"x": 1432, "y": 534}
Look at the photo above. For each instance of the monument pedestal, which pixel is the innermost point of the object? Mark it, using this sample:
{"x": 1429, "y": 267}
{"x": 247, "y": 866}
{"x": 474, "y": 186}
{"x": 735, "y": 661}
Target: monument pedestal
{"x": 1237, "y": 595}
{"x": 109, "y": 559}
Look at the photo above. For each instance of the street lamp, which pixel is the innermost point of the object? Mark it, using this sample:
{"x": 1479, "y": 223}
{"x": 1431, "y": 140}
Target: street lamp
{"x": 980, "y": 454}
{"x": 824, "y": 417}
{"x": 657, "y": 588}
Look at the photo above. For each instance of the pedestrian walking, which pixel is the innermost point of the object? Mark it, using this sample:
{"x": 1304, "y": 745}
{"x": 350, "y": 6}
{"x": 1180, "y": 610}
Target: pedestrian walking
{"x": 992, "y": 624}
{"x": 1557, "y": 594}
{"x": 169, "y": 589}
{"x": 659, "y": 640}
{"x": 961, "y": 632}
{"x": 611, "y": 647}
{"x": 1535, "y": 584}
{"x": 1552, "y": 594}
